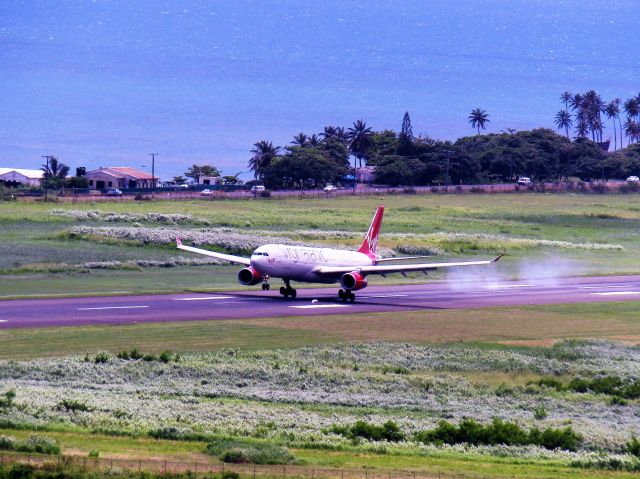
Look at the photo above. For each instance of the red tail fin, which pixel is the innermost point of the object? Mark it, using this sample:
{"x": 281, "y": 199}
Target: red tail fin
{"x": 370, "y": 243}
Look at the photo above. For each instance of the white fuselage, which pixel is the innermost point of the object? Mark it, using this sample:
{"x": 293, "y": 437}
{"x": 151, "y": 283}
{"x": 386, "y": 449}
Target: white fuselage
{"x": 297, "y": 263}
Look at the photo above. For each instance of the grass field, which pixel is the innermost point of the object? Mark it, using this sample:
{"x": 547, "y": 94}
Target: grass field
{"x": 39, "y": 256}
{"x": 525, "y": 326}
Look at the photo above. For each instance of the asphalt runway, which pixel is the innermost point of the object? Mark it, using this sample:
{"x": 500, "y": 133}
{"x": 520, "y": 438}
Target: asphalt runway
{"x": 38, "y": 313}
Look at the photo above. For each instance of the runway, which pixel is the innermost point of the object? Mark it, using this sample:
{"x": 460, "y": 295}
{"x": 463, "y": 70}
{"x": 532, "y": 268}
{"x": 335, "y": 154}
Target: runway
{"x": 39, "y": 313}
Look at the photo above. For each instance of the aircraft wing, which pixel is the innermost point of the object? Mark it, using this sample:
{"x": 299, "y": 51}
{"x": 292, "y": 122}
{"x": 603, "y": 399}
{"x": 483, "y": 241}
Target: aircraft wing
{"x": 400, "y": 268}
{"x": 226, "y": 257}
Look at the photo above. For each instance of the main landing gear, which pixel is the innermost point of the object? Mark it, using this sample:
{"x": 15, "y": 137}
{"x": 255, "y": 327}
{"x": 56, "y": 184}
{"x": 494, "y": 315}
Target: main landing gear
{"x": 287, "y": 290}
{"x": 346, "y": 294}
{"x": 265, "y": 283}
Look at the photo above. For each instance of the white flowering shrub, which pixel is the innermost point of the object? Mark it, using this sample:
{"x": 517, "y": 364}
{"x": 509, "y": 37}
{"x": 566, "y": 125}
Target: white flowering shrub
{"x": 97, "y": 215}
{"x": 259, "y": 394}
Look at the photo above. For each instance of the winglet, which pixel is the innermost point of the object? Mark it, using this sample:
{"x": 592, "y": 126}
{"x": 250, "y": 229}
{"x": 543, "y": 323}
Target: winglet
{"x": 497, "y": 258}
{"x": 178, "y": 241}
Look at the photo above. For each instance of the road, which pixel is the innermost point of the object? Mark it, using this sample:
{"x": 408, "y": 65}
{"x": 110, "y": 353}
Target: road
{"x": 38, "y": 313}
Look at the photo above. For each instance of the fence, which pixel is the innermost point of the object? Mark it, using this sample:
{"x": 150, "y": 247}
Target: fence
{"x": 202, "y": 469}
{"x": 159, "y": 194}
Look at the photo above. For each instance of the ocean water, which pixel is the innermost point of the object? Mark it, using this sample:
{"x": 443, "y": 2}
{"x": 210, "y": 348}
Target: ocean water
{"x": 101, "y": 83}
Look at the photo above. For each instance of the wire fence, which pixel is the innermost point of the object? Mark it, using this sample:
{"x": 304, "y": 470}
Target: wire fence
{"x": 115, "y": 466}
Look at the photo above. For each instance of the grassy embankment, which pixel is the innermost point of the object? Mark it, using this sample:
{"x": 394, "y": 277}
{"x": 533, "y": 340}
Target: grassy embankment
{"x": 39, "y": 257}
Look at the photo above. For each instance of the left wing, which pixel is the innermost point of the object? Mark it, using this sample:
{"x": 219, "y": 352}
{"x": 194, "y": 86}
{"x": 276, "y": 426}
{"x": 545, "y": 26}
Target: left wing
{"x": 400, "y": 268}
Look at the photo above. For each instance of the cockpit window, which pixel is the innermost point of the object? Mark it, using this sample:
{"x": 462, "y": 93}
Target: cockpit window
{"x": 258, "y": 253}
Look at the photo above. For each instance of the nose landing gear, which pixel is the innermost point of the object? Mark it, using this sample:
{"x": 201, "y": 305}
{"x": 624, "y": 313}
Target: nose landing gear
{"x": 287, "y": 290}
{"x": 346, "y": 294}
{"x": 265, "y": 283}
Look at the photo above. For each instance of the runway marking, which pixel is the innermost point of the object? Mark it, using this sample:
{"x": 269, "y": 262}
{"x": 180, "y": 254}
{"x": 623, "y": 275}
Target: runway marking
{"x": 606, "y": 286}
{"x": 505, "y": 286}
{"x": 3, "y": 320}
{"x": 111, "y": 307}
{"x": 618, "y": 293}
{"x": 203, "y": 298}
{"x": 385, "y": 296}
{"x": 312, "y": 306}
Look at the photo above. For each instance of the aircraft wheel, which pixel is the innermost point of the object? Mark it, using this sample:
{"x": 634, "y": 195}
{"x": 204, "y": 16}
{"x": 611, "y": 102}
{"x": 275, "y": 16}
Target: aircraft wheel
{"x": 341, "y": 293}
{"x": 293, "y": 294}
{"x": 283, "y": 291}
{"x": 352, "y": 297}
{"x": 267, "y": 286}
{"x": 264, "y": 286}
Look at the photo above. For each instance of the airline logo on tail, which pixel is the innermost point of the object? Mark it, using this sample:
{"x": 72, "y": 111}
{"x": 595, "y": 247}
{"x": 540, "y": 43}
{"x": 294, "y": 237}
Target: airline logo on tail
{"x": 370, "y": 243}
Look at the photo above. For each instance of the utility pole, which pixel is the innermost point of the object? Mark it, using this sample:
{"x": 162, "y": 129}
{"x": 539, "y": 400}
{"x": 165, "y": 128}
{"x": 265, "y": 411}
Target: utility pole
{"x": 448, "y": 153}
{"x": 153, "y": 174}
{"x": 46, "y": 176}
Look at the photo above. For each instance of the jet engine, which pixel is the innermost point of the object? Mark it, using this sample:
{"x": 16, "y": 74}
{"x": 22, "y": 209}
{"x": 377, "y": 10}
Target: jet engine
{"x": 249, "y": 276}
{"x": 353, "y": 281}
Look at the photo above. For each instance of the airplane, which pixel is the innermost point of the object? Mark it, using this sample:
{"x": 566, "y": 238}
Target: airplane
{"x": 324, "y": 265}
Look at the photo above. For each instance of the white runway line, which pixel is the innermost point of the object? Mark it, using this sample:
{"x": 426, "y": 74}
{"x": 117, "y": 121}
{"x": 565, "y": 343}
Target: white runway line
{"x": 385, "y": 296}
{"x": 203, "y": 298}
{"x": 313, "y": 306}
{"x": 606, "y": 286}
{"x": 618, "y": 293}
{"x": 111, "y": 307}
{"x": 506, "y": 286}
{"x": 3, "y": 320}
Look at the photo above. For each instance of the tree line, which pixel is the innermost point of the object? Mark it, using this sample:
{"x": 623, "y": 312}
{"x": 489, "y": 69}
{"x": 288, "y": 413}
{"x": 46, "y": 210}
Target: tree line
{"x": 400, "y": 158}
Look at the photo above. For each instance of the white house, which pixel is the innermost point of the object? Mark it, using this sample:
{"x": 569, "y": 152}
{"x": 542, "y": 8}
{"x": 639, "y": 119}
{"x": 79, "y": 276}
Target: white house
{"x": 20, "y": 176}
{"x": 120, "y": 177}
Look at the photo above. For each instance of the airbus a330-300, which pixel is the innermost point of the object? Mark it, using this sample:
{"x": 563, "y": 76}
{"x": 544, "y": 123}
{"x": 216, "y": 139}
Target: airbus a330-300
{"x": 324, "y": 265}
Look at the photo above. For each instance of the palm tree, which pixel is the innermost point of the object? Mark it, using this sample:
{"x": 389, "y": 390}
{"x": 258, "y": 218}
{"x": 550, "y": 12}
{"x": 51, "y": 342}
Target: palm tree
{"x": 263, "y": 152}
{"x": 612, "y": 111}
{"x": 479, "y": 118}
{"x": 566, "y": 98}
{"x": 576, "y": 101}
{"x": 329, "y": 133}
{"x": 563, "y": 120}
{"x": 313, "y": 141}
{"x": 582, "y": 128}
{"x": 359, "y": 139}
{"x": 632, "y": 130}
{"x": 54, "y": 172}
{"x": 300, "y": 139}
{"x": 632, "y": 109}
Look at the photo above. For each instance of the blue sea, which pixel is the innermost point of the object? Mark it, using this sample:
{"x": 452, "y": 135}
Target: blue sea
{"x": 105, "y": 83}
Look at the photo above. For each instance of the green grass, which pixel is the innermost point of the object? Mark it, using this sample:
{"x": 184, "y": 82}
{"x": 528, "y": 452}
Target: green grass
{"x": 518, "y": 326}
{"x": 125, "y": 447}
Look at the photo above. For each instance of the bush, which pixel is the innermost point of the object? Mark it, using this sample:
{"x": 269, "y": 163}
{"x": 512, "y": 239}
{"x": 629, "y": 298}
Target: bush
{"x": 168, "y": 432}
{"x": 39, "y": 444}
{"x": 235, "y": 456}
{"x": 73, "y": 405}
{"x": 265, "y": 194}
{"x": 165, "y": 356}
{"x": 551, "y": 383}
{"x": 21, "y": 471}
{"x": 230, "y": 475}
{"x": 633, "y": 446}
{"x": 101, "y": 358}
{"x": 499, "y": 432}
{"x": 7, "y": 443}
{"x": 389, "y": 431}
{"x": 244, "y": 452}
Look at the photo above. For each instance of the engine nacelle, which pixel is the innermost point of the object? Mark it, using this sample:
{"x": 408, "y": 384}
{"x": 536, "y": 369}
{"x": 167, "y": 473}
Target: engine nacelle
{"x": 249, "y": 276}
{"x": 353, "y": 281}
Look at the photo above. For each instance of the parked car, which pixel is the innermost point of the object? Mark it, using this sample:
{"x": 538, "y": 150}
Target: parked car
{"x": 329, "y": 188}
{"x": 113, "y": 192}
{"x": 206, "y": 192}
{"x": 183, "y": 186}
{"x": 257, "y": 189}
{"x": 633, "y": 179}
{"x": 524, "y": 181}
